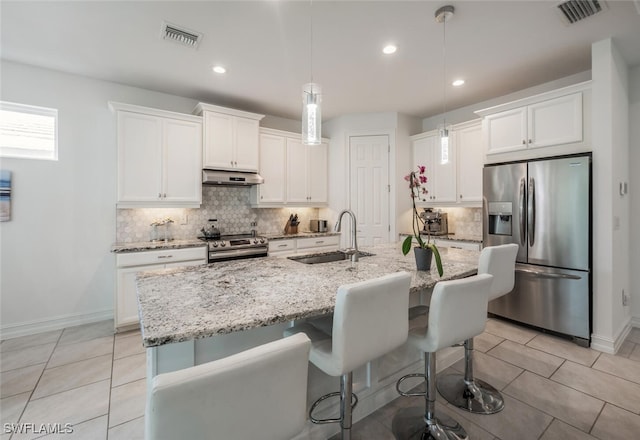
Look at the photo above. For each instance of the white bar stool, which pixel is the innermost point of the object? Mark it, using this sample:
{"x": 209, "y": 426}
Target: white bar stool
{"x": 369, "y": 320}
{"x": 259, "y": 393}
{"x": 464, "y": 391}
{"x": 458, "y": 310}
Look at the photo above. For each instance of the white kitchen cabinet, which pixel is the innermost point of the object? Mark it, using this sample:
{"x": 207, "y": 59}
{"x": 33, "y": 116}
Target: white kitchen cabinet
{"x": 231, "y": 138}
{"x": 282, "y": 248}
{"x": 159, "y": 158}
{"x": 441, "y": 176}
{"x": 305, "y": 245}
{"x": 467, "y": 138}
{"x": 129, "y": 264}
{"x": 294, "y": 174}
{"x": 317, "y": 244}
{"x": 545, "y": 121}
{"x": 273, "y": 159}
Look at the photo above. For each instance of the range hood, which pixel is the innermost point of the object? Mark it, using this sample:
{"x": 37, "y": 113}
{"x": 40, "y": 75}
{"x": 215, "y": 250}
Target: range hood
{"x": 230, "y": 178}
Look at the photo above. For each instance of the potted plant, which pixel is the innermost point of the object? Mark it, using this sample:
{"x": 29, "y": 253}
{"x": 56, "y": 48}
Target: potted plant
{"x": 425, "y": 250}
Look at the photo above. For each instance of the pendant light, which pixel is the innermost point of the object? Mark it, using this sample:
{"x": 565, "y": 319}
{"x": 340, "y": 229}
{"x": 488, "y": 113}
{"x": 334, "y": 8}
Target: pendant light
{"x": 311, "y": 99}
{"x": 443, "y": 15}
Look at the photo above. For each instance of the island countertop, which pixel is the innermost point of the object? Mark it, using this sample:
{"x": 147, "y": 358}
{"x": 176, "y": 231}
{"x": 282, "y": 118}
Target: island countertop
{"x": 196, "y": 302}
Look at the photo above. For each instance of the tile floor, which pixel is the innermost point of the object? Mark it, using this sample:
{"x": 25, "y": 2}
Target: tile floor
{"x": 553, "y": 389}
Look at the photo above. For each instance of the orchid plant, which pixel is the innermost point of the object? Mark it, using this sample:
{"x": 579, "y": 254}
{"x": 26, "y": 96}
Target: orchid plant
{"x": 416, "y": 181}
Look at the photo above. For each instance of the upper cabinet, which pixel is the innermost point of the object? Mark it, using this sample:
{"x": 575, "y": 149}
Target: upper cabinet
{"x": 553, "y": 119}
{"x": 294, "y": 174}
{"x": 459, "y": 179}
{"x": 159, "y": 157}
{"x": 441, "y": 175}
{"x": 231, "y": 138}
{"x": 468, "y": 141}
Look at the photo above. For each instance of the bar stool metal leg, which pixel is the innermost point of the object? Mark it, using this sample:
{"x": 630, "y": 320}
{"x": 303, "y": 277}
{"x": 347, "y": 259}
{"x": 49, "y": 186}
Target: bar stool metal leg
{"x": 346, "y": 409}
{"x": 468, "y": 393}
{"x": 415, "y": 424}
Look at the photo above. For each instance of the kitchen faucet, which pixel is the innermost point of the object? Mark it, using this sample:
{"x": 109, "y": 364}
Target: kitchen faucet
{"x": 353, "y": 251}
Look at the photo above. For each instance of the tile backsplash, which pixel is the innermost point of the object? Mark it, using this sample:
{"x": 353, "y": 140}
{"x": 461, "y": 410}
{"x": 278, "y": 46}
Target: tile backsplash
{"x": 465, "y": 222}
{"x": 230, "y": 205}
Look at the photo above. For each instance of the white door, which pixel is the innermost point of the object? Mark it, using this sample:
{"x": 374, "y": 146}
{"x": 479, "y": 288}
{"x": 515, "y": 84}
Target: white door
{"x": 317, "y": 166}
{"x": 369, "y": 187}
{"x": 182, "y": 161}
{"x": 272, "y": 168}
{"x": 218, "y": 141}
{"x": 246, "y": 144}
{"x": 296, "y": 171}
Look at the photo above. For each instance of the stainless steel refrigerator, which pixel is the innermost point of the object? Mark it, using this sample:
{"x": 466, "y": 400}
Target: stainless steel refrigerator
{"x": 544, "y": 206}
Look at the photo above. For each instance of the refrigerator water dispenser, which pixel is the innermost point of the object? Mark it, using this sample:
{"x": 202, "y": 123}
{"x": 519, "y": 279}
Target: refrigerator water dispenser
{"x": 500, "y": 218}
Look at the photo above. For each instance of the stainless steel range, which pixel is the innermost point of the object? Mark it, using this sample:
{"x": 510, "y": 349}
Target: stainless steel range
{"x": 235, "y": 247}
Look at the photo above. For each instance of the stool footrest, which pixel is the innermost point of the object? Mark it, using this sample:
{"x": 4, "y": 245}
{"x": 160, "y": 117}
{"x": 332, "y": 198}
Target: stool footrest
{"x": 407, "y": 393}
{"x": 354, "y": 402}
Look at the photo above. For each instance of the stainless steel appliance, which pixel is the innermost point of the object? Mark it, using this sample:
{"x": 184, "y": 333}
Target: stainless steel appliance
{"x": 235, "y": 247}
{"x": 319, "y": 226}
{"x": 230, "y": 178}
{"x": 435, "y": 222}
{"x": 545, "y": 207}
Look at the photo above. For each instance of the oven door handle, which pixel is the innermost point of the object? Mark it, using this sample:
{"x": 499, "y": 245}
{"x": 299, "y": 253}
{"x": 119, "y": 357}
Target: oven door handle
{"x": 220, "y": 255}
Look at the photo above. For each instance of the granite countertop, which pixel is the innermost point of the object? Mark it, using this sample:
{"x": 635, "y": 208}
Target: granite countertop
{"x": 155, "y": 245}
{"x": 196, "y": 302}
{"x": 452, "y": 237}
{"x": 282, "y": 236}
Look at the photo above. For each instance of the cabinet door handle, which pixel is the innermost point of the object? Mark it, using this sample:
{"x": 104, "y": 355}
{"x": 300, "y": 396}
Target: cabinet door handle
{"x": 165, "y": 256}
{"x": 530, "y": 141}
{"x": 231, "y": 163}
{"x": 319, "y": 241}
{"x": 159, "y": 195}
{"x": 524, "y": 142}
{"x": 164, "y": 195}
{"x": 282, "y": 245}
{"x": 460, "y": 195}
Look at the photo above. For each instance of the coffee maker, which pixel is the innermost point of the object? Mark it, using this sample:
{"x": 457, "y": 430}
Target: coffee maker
{"x": 435, "y": 222}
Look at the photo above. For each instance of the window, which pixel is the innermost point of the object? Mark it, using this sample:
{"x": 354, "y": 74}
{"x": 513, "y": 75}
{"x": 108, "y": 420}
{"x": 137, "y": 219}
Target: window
{"x": 28, "y": 131}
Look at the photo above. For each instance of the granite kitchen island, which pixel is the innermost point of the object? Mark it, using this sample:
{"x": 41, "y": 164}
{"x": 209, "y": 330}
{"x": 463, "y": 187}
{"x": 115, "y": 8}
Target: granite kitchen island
{"x": 198, "y": 314}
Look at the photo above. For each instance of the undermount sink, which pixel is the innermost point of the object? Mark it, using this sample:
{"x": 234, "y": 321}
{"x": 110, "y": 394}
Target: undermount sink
{"x": 326, "y": 257}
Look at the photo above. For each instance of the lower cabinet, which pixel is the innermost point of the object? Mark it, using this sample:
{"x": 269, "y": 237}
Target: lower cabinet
{"x": 298, "y": 246}
{"x": 128, "y": 264}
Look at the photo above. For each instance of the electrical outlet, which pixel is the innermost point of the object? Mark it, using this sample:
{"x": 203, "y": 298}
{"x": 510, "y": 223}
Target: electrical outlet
{"x": 184, "y": 219}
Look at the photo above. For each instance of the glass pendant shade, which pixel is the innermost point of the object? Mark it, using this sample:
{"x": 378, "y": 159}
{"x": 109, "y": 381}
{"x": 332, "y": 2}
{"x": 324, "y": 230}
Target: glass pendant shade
{"x": 443, "y": 131}
{"x": 311, "y": 114}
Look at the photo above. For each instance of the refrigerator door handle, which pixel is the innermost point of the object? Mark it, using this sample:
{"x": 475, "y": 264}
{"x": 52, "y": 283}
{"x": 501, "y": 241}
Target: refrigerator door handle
{"x": 531, "y": 212}
{"x": 523, "y": 240}
{"x": 548, "y": 275}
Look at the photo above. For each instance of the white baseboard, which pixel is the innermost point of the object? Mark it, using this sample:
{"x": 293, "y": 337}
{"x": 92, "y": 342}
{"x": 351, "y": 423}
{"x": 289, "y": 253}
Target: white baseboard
{"x": 57, "y": 323}
{"x": 635, "y": 321}
{"x": 610, "y": 345}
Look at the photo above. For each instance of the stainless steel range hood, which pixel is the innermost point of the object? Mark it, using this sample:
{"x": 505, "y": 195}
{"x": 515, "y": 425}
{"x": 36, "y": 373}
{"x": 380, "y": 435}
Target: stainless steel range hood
{"x": 230, "y": 178}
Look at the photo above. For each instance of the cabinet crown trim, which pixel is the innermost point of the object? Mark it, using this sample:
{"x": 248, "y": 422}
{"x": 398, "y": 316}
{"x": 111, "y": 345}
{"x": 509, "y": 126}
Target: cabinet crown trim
{"x": 568, "y": 90}
{"x": 202, "y": 107}
{"x": 132, "y": 108}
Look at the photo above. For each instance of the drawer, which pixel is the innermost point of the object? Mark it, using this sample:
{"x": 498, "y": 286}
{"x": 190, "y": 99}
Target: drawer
{"x": 282, "y": 246}
{"x": 314, "y": 242}
{"x": 469, "y": 245}
{"x": 164, "y": 256}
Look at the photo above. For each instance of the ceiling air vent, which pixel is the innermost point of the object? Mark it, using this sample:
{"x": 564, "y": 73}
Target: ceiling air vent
{"x": 576, "y": 10}
{"x": 180, "y": 35}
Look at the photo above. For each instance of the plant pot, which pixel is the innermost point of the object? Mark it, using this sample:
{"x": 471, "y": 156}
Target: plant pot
{"x": 423, "y": 258}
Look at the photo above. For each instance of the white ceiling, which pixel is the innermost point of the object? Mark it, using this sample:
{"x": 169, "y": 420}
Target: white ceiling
{"x": 497, "y": 47}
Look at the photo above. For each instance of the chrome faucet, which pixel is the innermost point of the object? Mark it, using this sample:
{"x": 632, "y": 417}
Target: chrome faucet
{"x": 353, "y": 251}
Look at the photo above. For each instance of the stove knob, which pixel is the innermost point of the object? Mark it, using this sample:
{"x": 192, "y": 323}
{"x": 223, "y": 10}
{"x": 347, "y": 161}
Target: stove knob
{"x": 255, "y": 241}
{"x": 262, "y": 240}
{"x": 223, "y": 244}
{"x": 214, "y": 244}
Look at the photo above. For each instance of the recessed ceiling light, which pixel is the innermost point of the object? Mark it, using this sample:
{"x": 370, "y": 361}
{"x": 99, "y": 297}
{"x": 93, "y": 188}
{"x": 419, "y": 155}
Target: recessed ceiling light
{"x": 389, "y": 49}
{"x": 458, "y": 82}
{"x": 219, "y": 69}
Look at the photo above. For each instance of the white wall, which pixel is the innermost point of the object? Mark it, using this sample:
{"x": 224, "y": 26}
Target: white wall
{"x": 56, "y": 266}
{"x": 399, "y": 128}
{"x": 465, "y": 114}
{"x": 634, "y": 193}
{"x": 610, "y": 128}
